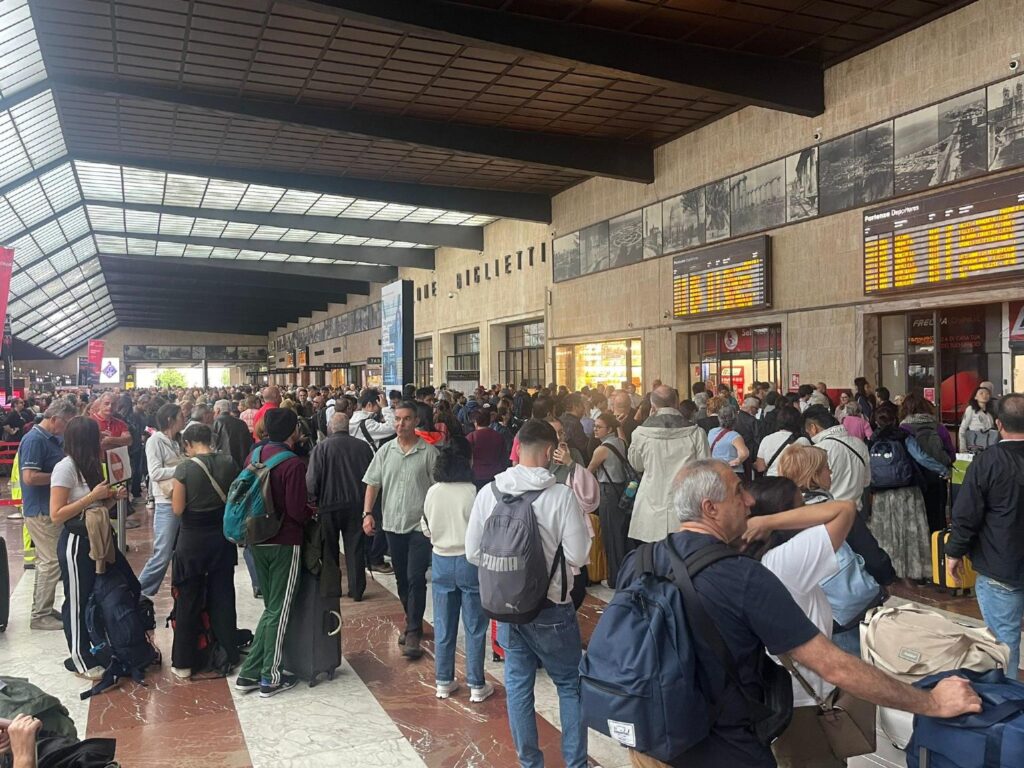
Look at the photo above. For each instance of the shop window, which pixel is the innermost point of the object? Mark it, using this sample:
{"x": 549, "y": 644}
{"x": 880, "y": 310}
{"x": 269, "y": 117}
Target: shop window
{"x": 423, "y": 362}
{"x": 601, "y": 362}
{"x": 523, "y": 358}
{"x": 738, "y": 357}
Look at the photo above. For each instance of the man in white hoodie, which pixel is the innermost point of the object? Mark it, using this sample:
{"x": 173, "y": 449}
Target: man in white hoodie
{"x": 364, "y": 424}
{"x": 552, "y": 639}
{"x": 662, "y": 446}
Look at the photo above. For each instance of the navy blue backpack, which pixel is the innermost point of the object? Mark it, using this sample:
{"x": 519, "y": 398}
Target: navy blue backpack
{"x": 993, "y": 738}
{"x": 642, "y": 681}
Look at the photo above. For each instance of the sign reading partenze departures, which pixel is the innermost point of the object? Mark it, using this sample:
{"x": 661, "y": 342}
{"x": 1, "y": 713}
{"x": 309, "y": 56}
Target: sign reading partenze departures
{"x": 972, "y": 232}
{"x": 723, "y": 278}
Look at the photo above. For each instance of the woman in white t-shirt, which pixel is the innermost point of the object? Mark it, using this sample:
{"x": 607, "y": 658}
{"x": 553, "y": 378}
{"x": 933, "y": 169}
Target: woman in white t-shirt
{"x": 800, "y": 544}
{"x": 455, "y": 585}
{"x": 77, "y": 483}
{"x": 789, "y": 432}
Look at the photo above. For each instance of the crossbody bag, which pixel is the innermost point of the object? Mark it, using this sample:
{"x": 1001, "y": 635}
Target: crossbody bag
{"x": 214, "y": 483}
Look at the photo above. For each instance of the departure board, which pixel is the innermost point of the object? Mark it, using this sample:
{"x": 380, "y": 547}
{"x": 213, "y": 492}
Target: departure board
{"x": 723, "y": 278}
{"x": 969, "y": 233}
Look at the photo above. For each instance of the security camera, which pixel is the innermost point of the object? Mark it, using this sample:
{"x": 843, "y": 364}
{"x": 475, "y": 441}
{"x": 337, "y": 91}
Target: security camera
{"x": 451, "y": 294}
{"x": 1015, "y": 62}
{"x": 817, "y": 134}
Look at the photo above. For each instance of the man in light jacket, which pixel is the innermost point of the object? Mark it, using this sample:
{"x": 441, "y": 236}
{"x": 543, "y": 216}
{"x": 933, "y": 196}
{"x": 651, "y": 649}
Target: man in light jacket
{"x": 848, "y": 457}
{"x": 364, "y": 425}
{"x": 661, "y": 447}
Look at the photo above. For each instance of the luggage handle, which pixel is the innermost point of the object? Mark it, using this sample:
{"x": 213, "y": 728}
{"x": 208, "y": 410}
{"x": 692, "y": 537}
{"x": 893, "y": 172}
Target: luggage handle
{"x": 337, "y": 629}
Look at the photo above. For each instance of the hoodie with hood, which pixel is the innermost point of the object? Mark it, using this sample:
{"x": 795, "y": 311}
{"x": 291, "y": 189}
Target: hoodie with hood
{"x": 661, "y": 447}
{"x": 558, "y": 517}
{"x": 379, "y": 430}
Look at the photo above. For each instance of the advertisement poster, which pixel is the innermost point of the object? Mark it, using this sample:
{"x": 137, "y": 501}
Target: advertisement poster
{"x": 94, "y": 358}
{"x": 119, "y": 465}
{"x": 110, "y": 370}
{"x": 396, "y": 333}
{"x": 6, "y": 263}
{"x": 794, "y": 382}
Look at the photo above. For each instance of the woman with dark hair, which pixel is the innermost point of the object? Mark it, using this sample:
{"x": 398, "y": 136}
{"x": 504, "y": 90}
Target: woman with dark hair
{"x": 917, "y": 418}
{"x": 799, "y": 546}
{"x": 454, "y": 582}
{"x": 609, "y": 466}
{"x": 978, "y": 426}
{"x": 77, "y": 483}
{"x": 864, "y": 396}
{"x": 204, "y": 561}
{"x": 789, "y": 431}
{"x": 445, "y": 421}
{"x": 427, "y": 429}
{"x": 163, "y": 454}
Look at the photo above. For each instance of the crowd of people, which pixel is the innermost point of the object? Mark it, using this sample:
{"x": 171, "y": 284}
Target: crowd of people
{"x": 423, "y": 479}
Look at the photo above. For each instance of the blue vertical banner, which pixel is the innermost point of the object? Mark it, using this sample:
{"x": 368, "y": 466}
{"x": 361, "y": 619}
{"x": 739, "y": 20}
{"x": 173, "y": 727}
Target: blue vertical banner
{"x": 396, "y": 333}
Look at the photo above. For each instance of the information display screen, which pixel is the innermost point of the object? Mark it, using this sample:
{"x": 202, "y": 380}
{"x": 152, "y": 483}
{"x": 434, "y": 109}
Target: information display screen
{"x": 723, "y": 278}
{"x": 969, "y": 233}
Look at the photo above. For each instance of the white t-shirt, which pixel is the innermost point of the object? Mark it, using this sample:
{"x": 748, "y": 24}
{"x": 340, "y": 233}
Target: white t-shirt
{"x": 801, "y": 564}
{"x": 65, "y": 475}
{"x": 772, "y": 443}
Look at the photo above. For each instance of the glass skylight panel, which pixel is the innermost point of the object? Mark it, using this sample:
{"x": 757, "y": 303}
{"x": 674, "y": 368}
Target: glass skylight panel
{"x": 84, "y": 248}
{"x": 275, "y": 257}
{"x": 100, "y": 181}
{"x": 301, "y": 259}
{"x": 39, "y": 128}
{"x": 237, "y": 229}
{"x": 103, "y": 217}
{"x": 362, "y": 209}
{"x": 60, "y": 187}
{"x": 41, "y": 272}
{"x": 296, "y": 201}
{"x": 9, "y": 221}
{"x": 331, "y": 205}
{"x": 141, "y": 221}
{"x": 402, "y": 244}
{"x": 91, "y": 267}
{"x": 75, "y": 224}
{"x": 423, "y": 215}
{"x": 30, "y": 203}
{"x": 96, "y": 282}
{"x": 330, "y": 238}
{"x": 25, "y": 251}
{"x": 394, "y": 212}
{"x": 208, "y": 228}
{"x": 63, "y": 261}
{"x": 197, "y": 251}
{"x": 352, "y": 240}
{"x": 175, "y": 225}
{"x": 139, "y": 245}
{"x": 377, "y": 241}
{"x": 223, "y": 253}
{"x": 246, "y": 255}
{"x": 111, "y": 244}
{"x": 142, "y": 185}
{"x": 451, "y": 218}
{"x": 20, "y": 282}
{"x": 267, "y": 232}
{"x": 21, "y": 63}
{"x": 184, "y": 190}
{"x": 49, "y": 236}
{"x": 14, "y": 160}
{"x": 477, "y": 221}
{"x": 170, "y": 249}
{"x": 260, "y": 198}
{"x": 223, "y": 194}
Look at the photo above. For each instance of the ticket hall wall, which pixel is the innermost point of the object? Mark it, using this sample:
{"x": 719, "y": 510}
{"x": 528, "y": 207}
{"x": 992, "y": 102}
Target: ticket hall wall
{"x": 827, "y": 326}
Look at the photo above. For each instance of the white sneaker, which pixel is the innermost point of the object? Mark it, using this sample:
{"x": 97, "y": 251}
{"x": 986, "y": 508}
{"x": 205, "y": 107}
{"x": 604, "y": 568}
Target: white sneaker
{"x": 484, "y": 692}
{"x": 446, "y": 690}
{"x": 92, "y": 674}
{"x": 183, "y": 674}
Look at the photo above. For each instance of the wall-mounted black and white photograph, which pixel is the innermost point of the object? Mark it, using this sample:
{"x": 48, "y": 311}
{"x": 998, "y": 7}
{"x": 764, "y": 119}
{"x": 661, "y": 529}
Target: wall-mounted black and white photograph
{"x": 654, "y": 243}
{"x": 856, "y": 169}
{"x": 757, "y": 198}
{"x": 626, "y": 238}
{"x": 1006, "y": 124}
{"x": 594, "y": 253}
{"x": 716, "y": 207}
{"x": 941, "y": 143}
{"x": 683, "y": 218}
{"x": 566, "y": 260}
{"x": 802, "y": 185}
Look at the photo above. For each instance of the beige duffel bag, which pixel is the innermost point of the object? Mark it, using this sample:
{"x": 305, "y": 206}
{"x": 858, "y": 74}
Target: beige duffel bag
{"x": 910, "y": 643}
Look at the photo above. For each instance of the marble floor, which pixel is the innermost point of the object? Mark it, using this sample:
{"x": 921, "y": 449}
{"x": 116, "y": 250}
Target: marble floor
{"x": 380, "y": 709}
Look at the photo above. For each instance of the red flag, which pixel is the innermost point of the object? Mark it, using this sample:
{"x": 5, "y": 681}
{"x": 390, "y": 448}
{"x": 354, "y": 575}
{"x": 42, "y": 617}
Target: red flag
{"x": 95, "y": 354}
{"x": 6, "y": 263}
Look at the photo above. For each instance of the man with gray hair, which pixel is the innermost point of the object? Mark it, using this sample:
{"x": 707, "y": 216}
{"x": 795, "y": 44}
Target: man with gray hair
{"x": 230, "y": 435}
{"x": 38, "y": 454}
{"x": 334, "y": 480}
{"x": 752, "y": 611}
{"x": 661, "y": 446}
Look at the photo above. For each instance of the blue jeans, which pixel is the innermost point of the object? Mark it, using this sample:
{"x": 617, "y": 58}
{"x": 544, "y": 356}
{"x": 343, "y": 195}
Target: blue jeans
{"x": 552, "y": 639}
{"x": 1002, "y": 607}
{"x": 250, "y": 565}
{"x": 848, "y": 641}
{"x": 455, "y": 587}
{"x": 165, "y": 533}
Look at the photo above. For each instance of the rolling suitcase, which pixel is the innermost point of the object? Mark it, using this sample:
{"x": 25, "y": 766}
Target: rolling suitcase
{"x": 312, "y": 642}
{"x": 993, "y": 738}
{"x": 597, "y": 571}
{"x": 5, "y": 586}
{"x": 939, "y": 539}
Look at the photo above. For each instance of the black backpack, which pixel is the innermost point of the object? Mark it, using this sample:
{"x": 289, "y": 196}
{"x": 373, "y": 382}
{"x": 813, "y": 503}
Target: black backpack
{"x": 320, "y": 420}
{"x": 927, "y": 435}
{"x": 891, "y": 464}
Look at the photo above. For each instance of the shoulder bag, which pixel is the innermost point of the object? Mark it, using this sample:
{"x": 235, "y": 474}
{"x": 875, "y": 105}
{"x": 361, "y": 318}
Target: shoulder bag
{"x": 626, "y": 500}
{"x": 214, "y": 483}
{"x": 848, "y": 723}
{"x": 788, "y": 442}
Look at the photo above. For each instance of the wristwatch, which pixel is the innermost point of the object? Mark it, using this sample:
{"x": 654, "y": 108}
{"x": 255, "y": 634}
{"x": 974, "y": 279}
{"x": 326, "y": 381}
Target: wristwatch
{"x": 367, "y": 514}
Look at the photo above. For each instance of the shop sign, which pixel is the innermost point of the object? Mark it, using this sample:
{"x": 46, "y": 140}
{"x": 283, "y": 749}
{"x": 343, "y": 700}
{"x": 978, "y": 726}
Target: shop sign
{"x": 794, "y": 382}
{"x": 968, "y": 233}
{"x": 733, "y": 376}
{"x": 929, "y": 394}
{"x": 724, "y": 278}
{"x": 731, "y": 340}
{"x": 1017, "y": 323}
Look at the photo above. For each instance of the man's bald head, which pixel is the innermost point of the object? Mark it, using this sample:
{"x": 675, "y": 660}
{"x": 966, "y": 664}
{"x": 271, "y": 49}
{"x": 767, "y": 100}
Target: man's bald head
{"x": 272, "y": 395}
{"x": 664, "y": 397}
{"x": 338, "y": 423}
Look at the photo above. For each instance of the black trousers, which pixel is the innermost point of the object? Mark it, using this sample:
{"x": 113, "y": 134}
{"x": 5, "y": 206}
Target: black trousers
{"x": 377, "y": 546}
{"x": 137, "y": 456}
{"x": 411, "y": 555}
{"x": 349, "y": 524}
{"x": 935, "y": 492}
{"x": 216, "y": 592}
{"x": 78, "y": 574}
{"x": 614, "y": 531}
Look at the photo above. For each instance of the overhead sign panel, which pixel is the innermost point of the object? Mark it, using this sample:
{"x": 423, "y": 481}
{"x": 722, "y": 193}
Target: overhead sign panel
{"x": 970, "y": 233}
{"x": 725, "y": 278}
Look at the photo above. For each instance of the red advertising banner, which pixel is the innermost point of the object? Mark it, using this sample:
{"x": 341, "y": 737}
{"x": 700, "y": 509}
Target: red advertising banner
{"x": 95, "y": 354}
{"x": 6, "y": 264}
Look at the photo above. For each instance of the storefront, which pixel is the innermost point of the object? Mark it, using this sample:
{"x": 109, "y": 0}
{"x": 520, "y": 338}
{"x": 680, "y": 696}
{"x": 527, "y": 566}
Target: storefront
{"x": 599, "y": 362}
{"x": 945, "y": 353}
{"x": 736, "y": 356}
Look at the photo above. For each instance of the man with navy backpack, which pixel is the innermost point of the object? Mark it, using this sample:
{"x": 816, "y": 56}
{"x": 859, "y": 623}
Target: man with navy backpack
{"x": 540, "y": 629}
{"x": 277, "y": 559}
{"x": 748, "y": 610}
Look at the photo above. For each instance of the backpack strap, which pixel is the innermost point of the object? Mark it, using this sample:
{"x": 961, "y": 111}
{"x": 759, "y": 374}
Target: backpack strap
{"x": 789, "y": 441}
{"x": 848, "y": 447}
{"x": 722, "y": 433}
{"x": 366, "y": 434}
{"x": 278, "y": 458}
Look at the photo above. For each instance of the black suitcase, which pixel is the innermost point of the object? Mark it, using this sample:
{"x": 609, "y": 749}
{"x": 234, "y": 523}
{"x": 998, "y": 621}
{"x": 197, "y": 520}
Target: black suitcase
{"x": 312, "y": 642}
{"x": 5, "y": 586}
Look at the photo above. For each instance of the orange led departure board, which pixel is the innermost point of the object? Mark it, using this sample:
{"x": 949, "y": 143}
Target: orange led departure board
{"x": 969, "y": 233}
{"x": 723, "y": 278}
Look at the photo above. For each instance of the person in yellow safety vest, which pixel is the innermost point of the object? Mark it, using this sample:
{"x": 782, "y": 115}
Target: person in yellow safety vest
{"x": 29, "y": 548}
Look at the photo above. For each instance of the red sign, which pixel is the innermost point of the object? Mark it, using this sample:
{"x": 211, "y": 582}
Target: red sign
{"x": 794, "y": 382}
{"x": 6, "y": 263}
{"x": 95, "y": 354}
{"x": 119, "y": 466}
{"x": 929, "y": 394}
{"x": 735, "y": 378}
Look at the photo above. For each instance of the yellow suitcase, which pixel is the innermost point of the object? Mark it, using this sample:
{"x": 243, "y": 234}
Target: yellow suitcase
{"x": 597, "y": 570}
{"x": 939, "y": 539}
